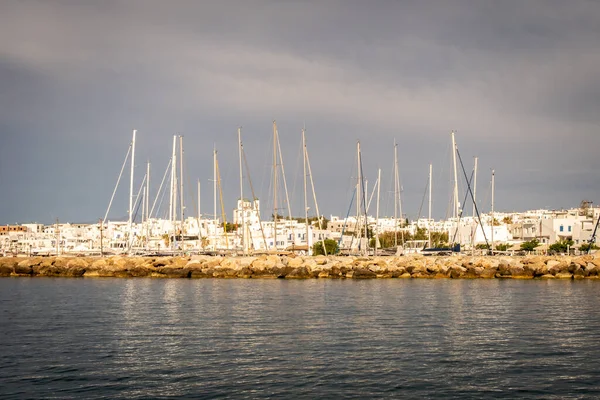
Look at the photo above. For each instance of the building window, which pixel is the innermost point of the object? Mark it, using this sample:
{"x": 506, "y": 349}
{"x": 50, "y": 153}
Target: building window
{"x": 562, "y": 228}
{"x": 569, "y": 228}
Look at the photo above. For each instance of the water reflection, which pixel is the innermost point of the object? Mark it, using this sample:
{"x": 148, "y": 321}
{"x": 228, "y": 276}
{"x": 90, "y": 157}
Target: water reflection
{"x": 276, "y": 338}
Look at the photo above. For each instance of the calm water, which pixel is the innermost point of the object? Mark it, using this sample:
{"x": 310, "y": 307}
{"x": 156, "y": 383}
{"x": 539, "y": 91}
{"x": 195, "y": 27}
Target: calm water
{"x": 140, "y": 338}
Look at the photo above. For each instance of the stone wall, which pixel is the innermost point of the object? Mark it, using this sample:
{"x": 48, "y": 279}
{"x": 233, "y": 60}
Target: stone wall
{"x": 289, "y": 267}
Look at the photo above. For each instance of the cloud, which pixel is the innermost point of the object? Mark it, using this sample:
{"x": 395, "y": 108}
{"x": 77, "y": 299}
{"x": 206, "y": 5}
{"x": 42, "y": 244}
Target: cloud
{"x": 520, "y": 82}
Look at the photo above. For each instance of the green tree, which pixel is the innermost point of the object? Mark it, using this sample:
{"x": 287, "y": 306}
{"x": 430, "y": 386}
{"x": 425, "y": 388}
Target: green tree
{"x": 585, "y": 247}
{"x": 502, "y": 246}
{"x": 530, "y": 245}
{"x": 229, "y": 227}
{"x": 561, "y": 246}
{"x": 330, "y": 245}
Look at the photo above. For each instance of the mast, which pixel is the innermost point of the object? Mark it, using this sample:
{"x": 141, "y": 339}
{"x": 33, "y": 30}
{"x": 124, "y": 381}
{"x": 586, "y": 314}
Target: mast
{"x": 215, "y": 197}
{"x": 181, "y": 205}
{"x": 358, "y": 193}
{"x": 395, "y": 194}
{"x": 243, "y": 239}
{"x": 455, "y": 194}
{"x": 493, "y": 184}
{"x": 131, "y": 184}
{"x": 474, "y": 231}
{"x": 305, "y": 194}
{"x": 275, "y": 183}
{"x": 430, "y": 190}
{"x": 377, "y": 211}
{"x": 474, "y": 186}
{"x": 147, "y": 200}
{"x": 171, "y": 189}
{"x": 199, "y": 225}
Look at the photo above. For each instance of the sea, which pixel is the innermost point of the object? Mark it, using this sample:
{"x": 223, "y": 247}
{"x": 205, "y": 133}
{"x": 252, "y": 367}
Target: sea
{"x": 140, "y": 338}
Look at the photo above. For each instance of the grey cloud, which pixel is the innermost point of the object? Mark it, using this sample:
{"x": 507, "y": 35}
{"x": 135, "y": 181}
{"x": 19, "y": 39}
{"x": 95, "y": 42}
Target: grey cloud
{"x": 518, "y": 80}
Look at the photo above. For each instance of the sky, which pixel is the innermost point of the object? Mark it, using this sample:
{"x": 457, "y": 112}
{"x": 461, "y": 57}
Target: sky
{"x": 518, "y": 81}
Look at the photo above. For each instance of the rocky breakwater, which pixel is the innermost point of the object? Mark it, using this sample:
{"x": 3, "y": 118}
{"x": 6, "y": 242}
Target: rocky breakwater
{"x": 296, "y": 267}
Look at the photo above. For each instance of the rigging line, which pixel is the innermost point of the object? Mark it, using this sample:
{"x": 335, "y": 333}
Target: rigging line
{"x": 160, "y": 203}
{"x": 135, "y": 212}
{"x": 462, "y": 210}
{"x": 423, "y": 200}
{"x": 267, "y": 168}
{"x": 222, "y": 205}
{"x": 312, "y": 184}
{"x": 474, "y": 203}
{"x": 364, "y": 201}
{"x": 117, "y": 185}
{"x": 346, "y": 221}
{"x": 160, "y": 188}
{"x": 297, "y": 172}
{"x": 287, "y": 198}
{"x": 262, "y": 231}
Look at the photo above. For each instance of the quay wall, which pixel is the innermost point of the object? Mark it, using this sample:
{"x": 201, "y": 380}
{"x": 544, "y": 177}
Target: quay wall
{"x": 298, "y": 267}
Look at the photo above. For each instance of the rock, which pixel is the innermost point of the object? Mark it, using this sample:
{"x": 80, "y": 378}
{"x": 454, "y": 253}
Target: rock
{"x": 457, "y": 271}
{"x": 174, "y": 272}
{"x": 405, "y": 275}
{"x": 244, "y": 272}
{"x": 488, "y": 273}
{"x": 473, "y": 272}
{"x": 521, "y": 272}
{"x": 320, "y": 260}
{"x": 298, "y": 273}
{"x": 363, "y": 273}
{"x": 564, "y": 275}
{"x": 541, "y": 269}
{"x": 7, "y": 265}
{"x": 295, "y": 262}
{"x": 547, "y": 276}
{"x": 224, "y": 273}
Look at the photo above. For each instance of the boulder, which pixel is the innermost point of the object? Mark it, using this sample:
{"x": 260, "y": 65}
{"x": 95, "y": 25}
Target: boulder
{"x": 174, "y": 272}
{"x": 244, "y": 272}
{"x": 363, "y": 273}
{"x": 457, "y": 271}
{"x": 299, "y": 273}
{"x": 564, "y": 275}
{"x": 7, "y": 265}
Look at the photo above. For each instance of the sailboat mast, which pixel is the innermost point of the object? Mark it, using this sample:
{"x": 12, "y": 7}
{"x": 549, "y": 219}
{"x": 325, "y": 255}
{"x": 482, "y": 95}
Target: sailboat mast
{"x": 147, "y": 201}
{"x": 430, "y": 191}
{"x": 215, "y": 198}
{"x": 377, "y": 211}
{"x": 305, "y": 194}
{"x": 493, "y": 186}
{"x": 275, "y": 183}
{"x": 474, "y": 186}
{"x": 181, "y": 197}
{"x": 241, "y": 210}
{"x": 358, "y": 193}
{"x": 131, "y": 185}
{"x": 455, "y": 195}
{"x": 171, "y": 189}
{"x": 395, "y": 194}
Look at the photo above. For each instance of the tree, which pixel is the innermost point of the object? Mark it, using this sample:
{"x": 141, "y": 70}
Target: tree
{"x": 330, "y": 245}
{"x": 585, "y": 247}
{"x": 229, "y": 227}
{"x": 561, "y": 246}
{"x": 507, "y": 220}
{"x": 530, "y": 245}
{"x": 502, "y": 246}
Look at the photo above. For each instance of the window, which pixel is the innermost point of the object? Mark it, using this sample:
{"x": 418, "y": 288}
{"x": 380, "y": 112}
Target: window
{"x": 562, "y": 228}
{"x": 569, "y": 228}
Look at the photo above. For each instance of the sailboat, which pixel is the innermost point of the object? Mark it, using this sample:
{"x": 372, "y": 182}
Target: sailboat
{"x": 445, "y": 250}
